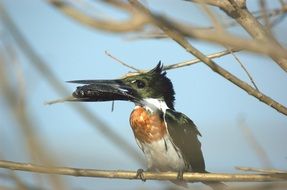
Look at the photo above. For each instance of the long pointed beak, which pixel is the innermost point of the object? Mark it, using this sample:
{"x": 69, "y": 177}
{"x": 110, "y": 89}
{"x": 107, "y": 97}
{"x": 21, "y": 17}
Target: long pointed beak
{"x": 103, "y": 90}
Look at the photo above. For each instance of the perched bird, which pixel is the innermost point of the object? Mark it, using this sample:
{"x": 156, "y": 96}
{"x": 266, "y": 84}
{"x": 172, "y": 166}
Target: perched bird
{"x": 168, "y": 139}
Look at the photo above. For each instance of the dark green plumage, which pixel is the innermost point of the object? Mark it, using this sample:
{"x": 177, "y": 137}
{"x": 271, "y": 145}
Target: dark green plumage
{"x": 184, "y": 135}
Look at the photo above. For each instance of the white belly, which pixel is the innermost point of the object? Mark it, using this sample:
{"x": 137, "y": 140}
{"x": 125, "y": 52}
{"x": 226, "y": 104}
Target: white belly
{"x": 163, "y": 155}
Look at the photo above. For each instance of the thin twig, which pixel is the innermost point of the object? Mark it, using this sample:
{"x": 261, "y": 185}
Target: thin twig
{"x": 191, "y": 62}
{"x": 188, "y": 176}
{"x": 244, "y": 68}
{"x": 268, "y": 171}
{"x": 121, "y": 62}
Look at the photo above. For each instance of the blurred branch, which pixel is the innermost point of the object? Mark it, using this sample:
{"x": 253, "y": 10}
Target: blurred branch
{"x": 155, "y": 34}
{"x": 251, "y": 139}
{"x": 266, "y": 18}
{"x": 11, "y": 175}
{"x": 15, "y": 98}
{"x": 257, "y": 31}
{"x": 187, "y": 176}
{"x": 42, "y": 67}
{"x": 237, "y": 10}
{"x": 176, "y": 36}
{"x": 223, "y": 38}
{"x": 136, "y": 21}
{"x": 202, "y": 34}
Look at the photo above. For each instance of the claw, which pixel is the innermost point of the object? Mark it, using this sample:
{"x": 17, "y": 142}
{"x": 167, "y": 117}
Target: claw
{"x": 180, "y": 175}
{"x": 140, "y": 175}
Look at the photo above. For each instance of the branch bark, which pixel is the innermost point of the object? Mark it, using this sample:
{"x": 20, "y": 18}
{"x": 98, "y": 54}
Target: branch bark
{"x": 120, "y": 174}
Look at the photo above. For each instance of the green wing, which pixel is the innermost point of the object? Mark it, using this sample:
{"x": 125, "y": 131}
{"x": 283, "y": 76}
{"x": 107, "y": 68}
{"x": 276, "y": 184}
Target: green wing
{"x": 185, "y": 136}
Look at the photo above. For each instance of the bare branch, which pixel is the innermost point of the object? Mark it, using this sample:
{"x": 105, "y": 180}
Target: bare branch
{"x": 188, "y": 176}
{"x": 173, "y": 34}
{"x": 252, "y": 141}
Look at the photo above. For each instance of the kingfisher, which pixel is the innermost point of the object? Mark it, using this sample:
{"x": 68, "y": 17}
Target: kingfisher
{"x": 168, "y": 138}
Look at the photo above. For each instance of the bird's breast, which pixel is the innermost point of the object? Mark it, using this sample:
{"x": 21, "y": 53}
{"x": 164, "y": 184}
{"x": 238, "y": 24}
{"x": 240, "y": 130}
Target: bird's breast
{"x": 147, "y": 126}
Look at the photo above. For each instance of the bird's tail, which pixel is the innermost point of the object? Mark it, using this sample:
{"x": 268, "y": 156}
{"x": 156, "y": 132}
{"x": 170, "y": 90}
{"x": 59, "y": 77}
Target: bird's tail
{"x": 216, "y": 185}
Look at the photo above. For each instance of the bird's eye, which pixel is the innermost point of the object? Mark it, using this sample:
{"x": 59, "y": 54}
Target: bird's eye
{"x": 140, "y": 84}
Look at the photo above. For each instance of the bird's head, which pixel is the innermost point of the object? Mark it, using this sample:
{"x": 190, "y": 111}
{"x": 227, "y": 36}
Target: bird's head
{"x": 136, "y": 88}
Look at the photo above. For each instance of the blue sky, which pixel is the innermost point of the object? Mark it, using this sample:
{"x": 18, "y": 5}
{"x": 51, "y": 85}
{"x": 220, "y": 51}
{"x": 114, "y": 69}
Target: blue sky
{"x": 215, "y": 105}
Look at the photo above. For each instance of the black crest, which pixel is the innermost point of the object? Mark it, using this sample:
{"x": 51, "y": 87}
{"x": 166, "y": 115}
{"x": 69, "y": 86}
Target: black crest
{"x": 158, "y": 69}
{"x": 164, "y": 84}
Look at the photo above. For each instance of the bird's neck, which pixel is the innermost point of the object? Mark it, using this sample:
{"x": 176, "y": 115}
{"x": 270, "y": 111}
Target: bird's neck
{"x": 152, "y": 105}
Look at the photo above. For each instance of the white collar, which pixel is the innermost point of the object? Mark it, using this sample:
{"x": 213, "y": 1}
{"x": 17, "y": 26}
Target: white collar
{"x": 153, "y": 104}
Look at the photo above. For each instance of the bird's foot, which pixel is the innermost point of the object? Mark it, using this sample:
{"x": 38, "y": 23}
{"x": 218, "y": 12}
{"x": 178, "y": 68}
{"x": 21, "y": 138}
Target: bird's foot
{"x": 180, "y": 175}
{"x": 140, "y": 175}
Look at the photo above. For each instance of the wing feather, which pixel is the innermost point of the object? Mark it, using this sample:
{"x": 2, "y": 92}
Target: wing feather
{"x": 184, "y": 134}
